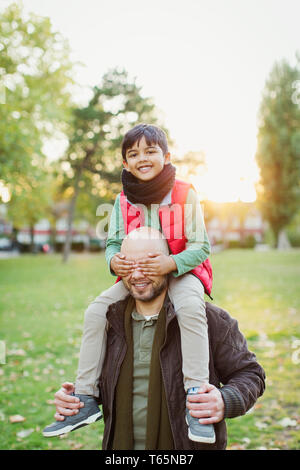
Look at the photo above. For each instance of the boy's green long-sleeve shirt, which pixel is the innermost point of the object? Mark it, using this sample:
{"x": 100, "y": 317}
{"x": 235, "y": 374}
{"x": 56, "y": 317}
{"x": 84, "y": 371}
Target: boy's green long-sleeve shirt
{"x": 197, "y": 247}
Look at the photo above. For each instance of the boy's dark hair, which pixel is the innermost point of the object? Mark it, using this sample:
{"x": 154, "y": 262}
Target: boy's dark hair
{"x": 152, "y": 134}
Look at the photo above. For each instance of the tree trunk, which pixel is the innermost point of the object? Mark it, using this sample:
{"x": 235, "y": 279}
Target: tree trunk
{"x": 52, "y": 235}
{"x": 31, "y": 228}
{"x": 68, "y": 240}
{"x": 283, "y": 242}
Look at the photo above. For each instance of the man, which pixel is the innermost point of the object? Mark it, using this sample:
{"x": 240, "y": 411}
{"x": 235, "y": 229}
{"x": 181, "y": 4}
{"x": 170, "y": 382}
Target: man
{"x": 141, "y": 385}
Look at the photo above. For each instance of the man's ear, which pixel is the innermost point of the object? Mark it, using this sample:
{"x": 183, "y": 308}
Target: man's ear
{"x": 167, "y": 158}
{"x": 125, "y": 164}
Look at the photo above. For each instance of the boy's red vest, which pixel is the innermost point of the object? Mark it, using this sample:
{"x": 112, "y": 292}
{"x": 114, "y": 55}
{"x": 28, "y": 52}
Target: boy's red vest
{"x": 172, "y": 224}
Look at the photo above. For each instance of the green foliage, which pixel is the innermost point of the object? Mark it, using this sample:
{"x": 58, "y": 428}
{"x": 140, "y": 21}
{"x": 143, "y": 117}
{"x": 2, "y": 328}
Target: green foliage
{"x": 293, "y": 231}
{"x": 190, "y": 164}
{"x": 278, "y": 151}
{"x": 35, "y": 76}
{"x": 32, "y": 198}
{"x": 247, "y": 242}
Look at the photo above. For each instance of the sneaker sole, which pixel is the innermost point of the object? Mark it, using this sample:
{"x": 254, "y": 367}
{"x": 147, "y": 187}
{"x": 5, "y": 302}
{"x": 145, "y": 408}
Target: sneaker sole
{"x": 70, "y": 428}
{"x": 204, "y": 440}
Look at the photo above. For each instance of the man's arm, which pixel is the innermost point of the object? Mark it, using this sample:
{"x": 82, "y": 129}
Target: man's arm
{"x": 242, "y": 377}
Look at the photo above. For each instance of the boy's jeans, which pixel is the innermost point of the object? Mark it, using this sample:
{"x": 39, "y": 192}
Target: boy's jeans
{"x": 187, "y": 295}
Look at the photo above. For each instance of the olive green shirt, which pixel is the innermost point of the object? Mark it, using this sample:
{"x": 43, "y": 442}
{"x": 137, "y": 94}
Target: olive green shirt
{"x": 143, "y": 330}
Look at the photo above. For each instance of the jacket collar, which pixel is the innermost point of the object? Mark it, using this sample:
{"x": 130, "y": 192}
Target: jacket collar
{"x": 115, "y": 313}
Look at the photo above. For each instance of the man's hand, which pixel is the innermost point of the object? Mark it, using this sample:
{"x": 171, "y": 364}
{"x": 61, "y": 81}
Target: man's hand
{"x": 157, "y": 264}
{"x": 120, "y": 266}
{"x": 208, "y": 405}
{"x": 66, "y": 405}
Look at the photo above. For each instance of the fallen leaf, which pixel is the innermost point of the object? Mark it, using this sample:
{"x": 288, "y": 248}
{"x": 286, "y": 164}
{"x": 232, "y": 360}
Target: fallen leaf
{"x": 76, "y": 446}
{"x": 236, "y": 446}
{"x": 13, "y": 376}
{"x": 292, "y": 311}
{"x": 50, "y": 402}
{"x": 246, "y": 440}
{"x": 286, "y": 422}
{"x": 26, "y": 335}
{"x": 17, "y": 419}
{"x": 258, "y": 405}
{"x": 260, "y": 425}
{"x": 296, "y": 357}
{"x": 295, "y": 343}
{"x": 16, "y": 352}
{"x": 24, "y": 433}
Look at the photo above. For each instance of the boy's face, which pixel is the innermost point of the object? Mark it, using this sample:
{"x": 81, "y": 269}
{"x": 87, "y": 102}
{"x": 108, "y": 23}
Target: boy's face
{"x": 145, "y": 161}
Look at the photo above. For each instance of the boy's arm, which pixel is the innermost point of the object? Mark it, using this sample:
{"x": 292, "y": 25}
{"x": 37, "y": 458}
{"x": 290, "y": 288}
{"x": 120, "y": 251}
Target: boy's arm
{"x": 198, "y": 246}
{"x": 116, "y": 233}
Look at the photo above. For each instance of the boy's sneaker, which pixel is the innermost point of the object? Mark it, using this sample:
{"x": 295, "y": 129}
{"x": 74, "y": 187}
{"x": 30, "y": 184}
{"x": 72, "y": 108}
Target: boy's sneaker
{"x": 199, "y": 432}
{"x": 86, "y": 415}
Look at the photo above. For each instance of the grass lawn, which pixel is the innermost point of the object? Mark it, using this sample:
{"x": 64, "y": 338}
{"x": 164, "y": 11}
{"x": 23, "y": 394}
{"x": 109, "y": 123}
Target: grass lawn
{"x": 42, "y": 303}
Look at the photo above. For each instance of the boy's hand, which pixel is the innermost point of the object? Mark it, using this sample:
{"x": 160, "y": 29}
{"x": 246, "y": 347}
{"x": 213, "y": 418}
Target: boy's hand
{"x": 157, "y": 264}
{"x": 120, "y": 266}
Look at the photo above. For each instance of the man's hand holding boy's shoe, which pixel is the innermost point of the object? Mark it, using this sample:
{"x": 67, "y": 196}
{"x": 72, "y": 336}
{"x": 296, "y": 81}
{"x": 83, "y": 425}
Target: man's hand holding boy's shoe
{"x": 73, "y": 411}
{"x": 208, "y": 405}
{"x": 66, "y": 404}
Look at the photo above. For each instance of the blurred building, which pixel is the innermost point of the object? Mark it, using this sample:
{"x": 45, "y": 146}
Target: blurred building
{"x": 44, "y": 233}
{"x": 234, "y": 223}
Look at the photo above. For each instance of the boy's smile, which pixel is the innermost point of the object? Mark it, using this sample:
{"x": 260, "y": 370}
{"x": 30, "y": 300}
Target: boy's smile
{"x": 145, "y": 161}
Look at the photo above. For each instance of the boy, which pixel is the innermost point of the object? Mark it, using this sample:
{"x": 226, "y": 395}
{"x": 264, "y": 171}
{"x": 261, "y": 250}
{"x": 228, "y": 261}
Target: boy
{"x": 149, "y": 179}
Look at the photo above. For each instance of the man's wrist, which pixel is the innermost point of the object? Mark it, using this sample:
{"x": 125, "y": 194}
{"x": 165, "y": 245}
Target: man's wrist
{"x": 233, "y": 401}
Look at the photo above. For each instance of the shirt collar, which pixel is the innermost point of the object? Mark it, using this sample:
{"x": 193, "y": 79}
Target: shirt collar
{"x": 138, "y": 317}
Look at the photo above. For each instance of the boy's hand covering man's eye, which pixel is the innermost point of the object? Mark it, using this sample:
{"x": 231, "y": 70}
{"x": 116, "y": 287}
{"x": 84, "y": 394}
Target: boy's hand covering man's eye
{"x": 157, "y": 264}
{"x": 120, "y": 266}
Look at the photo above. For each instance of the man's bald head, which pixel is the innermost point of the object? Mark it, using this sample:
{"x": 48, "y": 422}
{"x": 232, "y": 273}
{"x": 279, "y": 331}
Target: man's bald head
{"x": 138, "y": 244}
{"x": 144, "y": 240}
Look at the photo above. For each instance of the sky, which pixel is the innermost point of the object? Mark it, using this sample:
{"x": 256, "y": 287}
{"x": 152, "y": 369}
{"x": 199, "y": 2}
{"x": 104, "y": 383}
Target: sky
{"x": 204, "y": 62}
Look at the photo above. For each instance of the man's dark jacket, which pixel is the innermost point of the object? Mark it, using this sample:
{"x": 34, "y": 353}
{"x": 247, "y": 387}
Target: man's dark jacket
{"x": 232, "y": 368}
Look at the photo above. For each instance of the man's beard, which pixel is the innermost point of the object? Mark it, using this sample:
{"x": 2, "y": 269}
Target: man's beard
{"x": 154, "y": 292}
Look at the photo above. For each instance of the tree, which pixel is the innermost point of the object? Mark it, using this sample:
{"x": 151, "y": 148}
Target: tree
{"x": 93, "y": 159}
{"x": 278, "y": 147}
{"x": 191, "y": 164}
{"x": 32, "y": 200}
{"x": 35, "y": 79}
